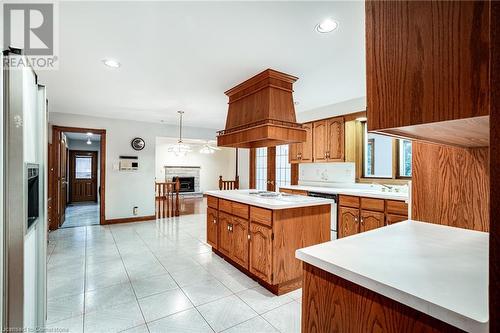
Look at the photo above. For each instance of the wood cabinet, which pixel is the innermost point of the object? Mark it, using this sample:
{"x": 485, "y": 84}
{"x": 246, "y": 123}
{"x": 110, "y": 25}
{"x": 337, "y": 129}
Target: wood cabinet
{"x": 296, "y": 192}
{"x": 328, "y": 140}
{"x": 371, "y": 220}
{"x": 439, "y": 92}
{"x": 212, "y": 229}
{"x": 348, "y": 221}
{"x": 261, "y": 251}
{"x": 302, "y": 152}
{"x": 360, "y": 214}
{"x": 262, "y": 242}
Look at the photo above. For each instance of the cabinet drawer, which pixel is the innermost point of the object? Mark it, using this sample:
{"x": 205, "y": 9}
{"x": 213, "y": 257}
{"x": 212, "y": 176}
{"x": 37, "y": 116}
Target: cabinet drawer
{"x": 212, "y": 202}
{"x": 397, "y": 207}
{"x": 286, "y": 190}
{"x": 348, "y": 201}
{"x": 300, "y": 192}
{"x": 261, "y": 215}
{"x": 393, "y": 218}
{"x": 225, "y": 206}
{"x": 372, "y": 204}
{"x": 240, "y": 210}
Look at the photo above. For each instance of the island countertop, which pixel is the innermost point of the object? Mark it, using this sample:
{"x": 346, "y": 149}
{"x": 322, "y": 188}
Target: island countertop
{"x": 281, "y": 201}
{"x": 438, "y": 270}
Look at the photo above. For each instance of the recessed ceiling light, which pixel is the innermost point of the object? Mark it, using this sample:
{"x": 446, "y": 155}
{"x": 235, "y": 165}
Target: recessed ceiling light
{"x": 327, "y": 25}
{"x": 111, "y": 63}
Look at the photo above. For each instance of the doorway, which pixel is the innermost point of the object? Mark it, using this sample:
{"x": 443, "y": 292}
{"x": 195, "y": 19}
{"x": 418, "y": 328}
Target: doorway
{"x": 77, "y": 177}
{"x": 270, "y": 168}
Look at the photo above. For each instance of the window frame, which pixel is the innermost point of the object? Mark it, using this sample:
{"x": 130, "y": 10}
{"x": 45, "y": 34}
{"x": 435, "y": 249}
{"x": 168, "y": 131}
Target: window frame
{"x": 396, "y": 177}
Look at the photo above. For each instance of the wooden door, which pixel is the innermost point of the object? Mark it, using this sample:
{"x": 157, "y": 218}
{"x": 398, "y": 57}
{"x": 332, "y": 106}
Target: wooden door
{"x": 348, "y": 221}
{"x": 239, "y": 233}
{"x": 320, "y": 138}
{"x": 83, "y": 176}
{"x": 63, "y": 179}
{"x": 260, "y": 254}
{"x": 335, "y": 145}
{"x": 225, "y": 237}
{"x": 294, "y": 152}
{"x": 306, "y": 148}
{"x": 212, "y": 230}
{"x": 371, "y": 220}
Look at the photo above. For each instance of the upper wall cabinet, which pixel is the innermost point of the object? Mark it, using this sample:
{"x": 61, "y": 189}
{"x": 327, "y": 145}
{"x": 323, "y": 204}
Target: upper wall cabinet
{"x": 302, "y": 152}
{"x": 328, "y": 140}
{"x": 428, "y": 70}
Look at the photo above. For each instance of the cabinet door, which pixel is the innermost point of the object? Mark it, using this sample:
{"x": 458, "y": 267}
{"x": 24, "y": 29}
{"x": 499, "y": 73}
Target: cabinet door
{"x": 393, "y": 218}
{"x": 371, "y": 220}
{"x": 320, "y": 136}
{"x": 260, "y": 251}
{"x": 335, "y": 150}
{"x": 225, "y": 237}
{"x": 348, "y": 221}
{"x": 239, "y": 233}
{"x": 293, "y": 152}
{"x": 306, "y": 151}
{"x": 212, "y": 229}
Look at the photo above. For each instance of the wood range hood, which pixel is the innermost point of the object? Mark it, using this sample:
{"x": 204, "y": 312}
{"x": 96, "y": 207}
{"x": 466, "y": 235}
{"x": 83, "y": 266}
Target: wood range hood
{"x": 261, "y": 113}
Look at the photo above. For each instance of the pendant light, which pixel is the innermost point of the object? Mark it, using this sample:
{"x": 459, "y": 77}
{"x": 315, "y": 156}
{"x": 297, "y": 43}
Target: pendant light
{"x": 180, "y": 148}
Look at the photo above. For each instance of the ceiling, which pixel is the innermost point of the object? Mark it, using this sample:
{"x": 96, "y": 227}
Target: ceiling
{"x": 185, "y": 55}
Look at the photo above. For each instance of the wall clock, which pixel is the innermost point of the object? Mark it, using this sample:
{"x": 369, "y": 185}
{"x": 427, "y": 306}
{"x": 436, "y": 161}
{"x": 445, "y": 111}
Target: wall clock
{"x": 138, "y": 144}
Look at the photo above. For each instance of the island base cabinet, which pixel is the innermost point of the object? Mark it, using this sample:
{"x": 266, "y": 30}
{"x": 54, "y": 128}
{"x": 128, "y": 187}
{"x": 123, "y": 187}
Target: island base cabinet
{"x": 212, "y": 228}
{"x": 332, "y": 304}
{"x": 239, "y": 233}
{"x": 261, "y": 251}
{"x": 225, "y": 237}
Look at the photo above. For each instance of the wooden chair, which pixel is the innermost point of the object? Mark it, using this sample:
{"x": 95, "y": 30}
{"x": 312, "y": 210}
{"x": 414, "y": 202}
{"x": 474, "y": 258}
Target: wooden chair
{"x": 167, "y": 199}
{"x": 229, "y": 184}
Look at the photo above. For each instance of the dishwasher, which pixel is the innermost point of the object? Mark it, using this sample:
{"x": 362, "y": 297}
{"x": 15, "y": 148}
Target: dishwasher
{"x": 333, "y": 217}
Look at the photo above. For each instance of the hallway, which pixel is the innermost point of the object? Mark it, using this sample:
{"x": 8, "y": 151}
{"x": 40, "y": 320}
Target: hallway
{"x": 81, "y": 214}
{"x": 157, "y": 276}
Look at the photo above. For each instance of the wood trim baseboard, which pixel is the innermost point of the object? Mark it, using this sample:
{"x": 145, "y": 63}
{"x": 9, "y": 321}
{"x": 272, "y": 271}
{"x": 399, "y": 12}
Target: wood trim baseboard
{"x": 131, "y": 219}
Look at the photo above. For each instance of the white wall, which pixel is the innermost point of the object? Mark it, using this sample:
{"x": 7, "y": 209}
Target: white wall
{"x": 124, "y": 190}
{"x": 222, "y": 162}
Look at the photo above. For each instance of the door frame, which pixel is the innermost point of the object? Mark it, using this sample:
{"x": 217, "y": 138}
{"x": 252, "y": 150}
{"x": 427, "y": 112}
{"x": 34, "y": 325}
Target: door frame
{"x": 72, "y": 154}
{"x": 56, "y": 134}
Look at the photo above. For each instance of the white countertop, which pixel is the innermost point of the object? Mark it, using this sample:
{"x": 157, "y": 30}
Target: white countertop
{"x": 282, "y": 201}
{"x": 351, "y": 191}
{"x": 439, "y": 270}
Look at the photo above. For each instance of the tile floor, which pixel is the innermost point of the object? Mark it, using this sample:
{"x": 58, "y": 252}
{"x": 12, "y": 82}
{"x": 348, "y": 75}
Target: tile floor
{"x": 81, "y": 214}
{"x": 157, "y": 276}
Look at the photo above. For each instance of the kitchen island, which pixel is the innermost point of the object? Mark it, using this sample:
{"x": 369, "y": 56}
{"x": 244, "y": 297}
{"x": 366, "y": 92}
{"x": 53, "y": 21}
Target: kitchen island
{"x": 259, "y": 232}
{"x": 407, "y": 277}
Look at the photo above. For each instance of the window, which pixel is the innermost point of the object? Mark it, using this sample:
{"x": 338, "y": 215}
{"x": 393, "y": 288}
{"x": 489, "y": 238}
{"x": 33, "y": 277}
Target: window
{"x": 261, "y": 169}
{"x": 404, "y": 158}
{"x": 283, "y": 169}
{"x": 379, "y": 161}
{"x": 83, "y": 167}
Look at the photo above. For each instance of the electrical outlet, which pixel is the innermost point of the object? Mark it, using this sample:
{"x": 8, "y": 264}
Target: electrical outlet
{"x": 136, "y": 210}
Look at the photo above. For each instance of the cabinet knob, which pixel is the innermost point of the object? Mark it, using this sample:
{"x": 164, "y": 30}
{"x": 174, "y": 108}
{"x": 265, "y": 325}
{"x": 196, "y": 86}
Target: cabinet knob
{"x": 248, "y": 236}
{"x": 355, "y": 219}
{"x": 215, "y": 221}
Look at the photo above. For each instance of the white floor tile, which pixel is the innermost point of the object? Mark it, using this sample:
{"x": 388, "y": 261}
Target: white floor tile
{"x": 183, "y": 322}
{"x": 226, "y": 312}
{"x": 153, "y": 285}
{"x": 70, "y": 325}
{"x": 102, "y": 298}
{"x": 64, "y": 307}
{"x": 114, "y": 319}
{"x": 262, "y": 300}
{"x": 164, "y": 304}
{"x": 206, "y": 291}
{"x": 254, "y": 325}
{"x": 286, "y": 318}
{"x": 193, "y": 276}
{"x": 138, "y": 329}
